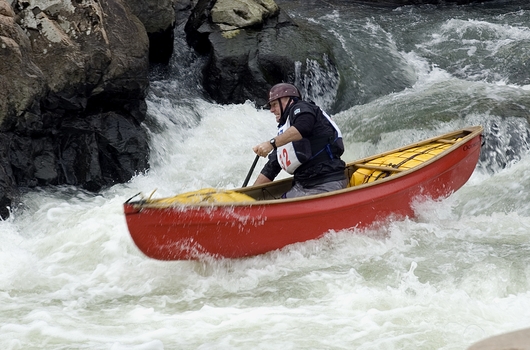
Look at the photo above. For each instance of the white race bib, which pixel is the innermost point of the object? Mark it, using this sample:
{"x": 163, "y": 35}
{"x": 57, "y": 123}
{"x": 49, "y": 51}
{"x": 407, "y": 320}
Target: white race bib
{"x": 286, "y": 154}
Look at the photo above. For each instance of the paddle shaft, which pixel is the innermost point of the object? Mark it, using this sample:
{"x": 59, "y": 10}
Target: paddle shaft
{"x": 251, "y": 171}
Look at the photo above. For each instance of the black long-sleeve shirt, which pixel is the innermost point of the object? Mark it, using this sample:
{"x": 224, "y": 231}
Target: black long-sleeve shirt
{"x": 308, "y": 119}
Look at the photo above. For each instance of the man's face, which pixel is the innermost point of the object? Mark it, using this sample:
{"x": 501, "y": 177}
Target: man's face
{"x": 275, "y": 107}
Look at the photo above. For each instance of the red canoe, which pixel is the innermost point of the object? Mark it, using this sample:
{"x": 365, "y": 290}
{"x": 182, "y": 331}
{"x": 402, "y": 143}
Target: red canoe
{"x": 251, "y": 220}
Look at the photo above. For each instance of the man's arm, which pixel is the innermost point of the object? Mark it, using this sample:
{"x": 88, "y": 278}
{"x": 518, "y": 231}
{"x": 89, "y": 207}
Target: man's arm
{"x": 262, "y": 179}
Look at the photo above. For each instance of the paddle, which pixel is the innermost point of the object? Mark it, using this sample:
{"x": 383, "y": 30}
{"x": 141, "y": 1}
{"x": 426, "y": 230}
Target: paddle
{"x": 250, "y": 171}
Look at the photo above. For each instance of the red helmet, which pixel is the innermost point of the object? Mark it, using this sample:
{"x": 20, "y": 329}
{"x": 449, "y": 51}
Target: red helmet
{"x": 283, "y": 90}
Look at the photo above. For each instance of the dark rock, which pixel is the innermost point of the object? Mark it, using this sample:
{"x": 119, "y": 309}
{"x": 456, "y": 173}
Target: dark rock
{"x": 245, "y": 62}
{"x": 72, "y": 95}
{"x": 158, "y": 18}
{"x": 101, "y": 150}
{"x": 8, "y": 189}
{"x": 161, "y": 46}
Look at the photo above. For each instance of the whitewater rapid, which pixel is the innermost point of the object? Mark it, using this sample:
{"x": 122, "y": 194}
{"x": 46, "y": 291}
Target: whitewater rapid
{"x": 71, "y": 277}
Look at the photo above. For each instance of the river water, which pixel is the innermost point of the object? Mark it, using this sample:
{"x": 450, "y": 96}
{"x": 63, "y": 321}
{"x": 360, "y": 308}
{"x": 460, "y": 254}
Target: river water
{"x": 71, "y": 277}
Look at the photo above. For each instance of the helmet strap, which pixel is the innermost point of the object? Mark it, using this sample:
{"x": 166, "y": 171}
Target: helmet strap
{"x": 282, "y": 118}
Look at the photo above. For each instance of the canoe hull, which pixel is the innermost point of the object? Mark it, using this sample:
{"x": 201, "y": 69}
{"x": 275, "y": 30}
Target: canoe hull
{"x": 190, "y": 232}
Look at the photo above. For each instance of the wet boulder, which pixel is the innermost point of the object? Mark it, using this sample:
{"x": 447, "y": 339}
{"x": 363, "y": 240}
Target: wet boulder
{"x": 252, "y": 45}
{"x": 72, "y": 94}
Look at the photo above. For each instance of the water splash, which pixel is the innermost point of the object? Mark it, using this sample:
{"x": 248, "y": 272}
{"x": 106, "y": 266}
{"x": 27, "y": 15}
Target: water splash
{"x": 318, "y": 82}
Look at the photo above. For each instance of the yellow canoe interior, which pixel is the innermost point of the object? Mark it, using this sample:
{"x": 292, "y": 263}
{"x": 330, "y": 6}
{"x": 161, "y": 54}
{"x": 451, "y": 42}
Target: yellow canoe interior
{"x": 399, "y": 161}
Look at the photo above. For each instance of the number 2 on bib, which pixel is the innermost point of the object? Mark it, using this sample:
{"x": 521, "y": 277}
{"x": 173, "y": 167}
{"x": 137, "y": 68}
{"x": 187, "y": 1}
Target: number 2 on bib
{"x": 284, "y": 159}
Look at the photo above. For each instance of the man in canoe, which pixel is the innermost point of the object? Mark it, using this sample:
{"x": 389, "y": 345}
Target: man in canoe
{"x": 308, "y": 145}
